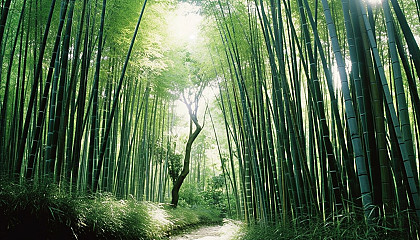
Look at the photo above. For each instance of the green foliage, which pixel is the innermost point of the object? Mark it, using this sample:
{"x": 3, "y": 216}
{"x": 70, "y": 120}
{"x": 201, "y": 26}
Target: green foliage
{"x": 159, "y": 152}
{"x": 190, "y": 195}
{"x": 347, "y": 227}
{"x": 213, "y": 196}
{"x": 175, "y": 165}
{"x": 47, "y": 213}
{"x": 175, "y": 77}
{"x": 121, "y": 17}
{"x": 190, "y": 216}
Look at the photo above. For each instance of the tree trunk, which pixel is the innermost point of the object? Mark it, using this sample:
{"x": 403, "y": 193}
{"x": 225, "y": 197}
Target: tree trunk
{"x": 186, "y": 167}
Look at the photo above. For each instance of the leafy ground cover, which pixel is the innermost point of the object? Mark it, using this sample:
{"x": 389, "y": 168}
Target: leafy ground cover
{"x": 43, "y": 212}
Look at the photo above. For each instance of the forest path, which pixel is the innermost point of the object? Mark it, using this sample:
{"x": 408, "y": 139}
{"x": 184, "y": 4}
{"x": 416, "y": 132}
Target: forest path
{"x": 227, "y": 231}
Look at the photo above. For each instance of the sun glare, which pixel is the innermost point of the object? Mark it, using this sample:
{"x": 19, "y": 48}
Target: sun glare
{"x": 184, "y": 23}
{"x": 374, "y": 2}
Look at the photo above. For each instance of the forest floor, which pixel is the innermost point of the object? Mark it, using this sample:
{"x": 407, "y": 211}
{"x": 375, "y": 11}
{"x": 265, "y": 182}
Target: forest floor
{"x": 228, "y": 230}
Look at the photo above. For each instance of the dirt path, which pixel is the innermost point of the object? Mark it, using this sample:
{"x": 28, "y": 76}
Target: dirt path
{"x": 219, "y": 232}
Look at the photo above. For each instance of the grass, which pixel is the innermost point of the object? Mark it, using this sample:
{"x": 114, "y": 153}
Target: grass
{"x": 346, "y": 228}
{"x": 43, "y": 212}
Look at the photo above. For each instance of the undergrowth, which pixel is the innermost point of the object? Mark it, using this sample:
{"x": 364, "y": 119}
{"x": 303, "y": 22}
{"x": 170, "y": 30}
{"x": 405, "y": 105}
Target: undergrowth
{"x": 43, "y": 212}
{"x": 348, "y": 227}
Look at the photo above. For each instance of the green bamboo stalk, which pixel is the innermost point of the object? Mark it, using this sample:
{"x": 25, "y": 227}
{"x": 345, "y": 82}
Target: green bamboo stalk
{"x": 114, "y": 105}
{"x": 390, "y": 107}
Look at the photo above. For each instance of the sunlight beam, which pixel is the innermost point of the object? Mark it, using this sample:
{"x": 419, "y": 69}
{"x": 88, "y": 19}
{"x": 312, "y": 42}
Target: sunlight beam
{"x": 184, "y": 23}
{"x": 374, "y": 2}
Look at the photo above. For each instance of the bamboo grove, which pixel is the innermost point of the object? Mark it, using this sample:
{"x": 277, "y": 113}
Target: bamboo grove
{"x": 74, "y": 110}
{"x": 320, "y": 105}
{"x": 316, "y": 111}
